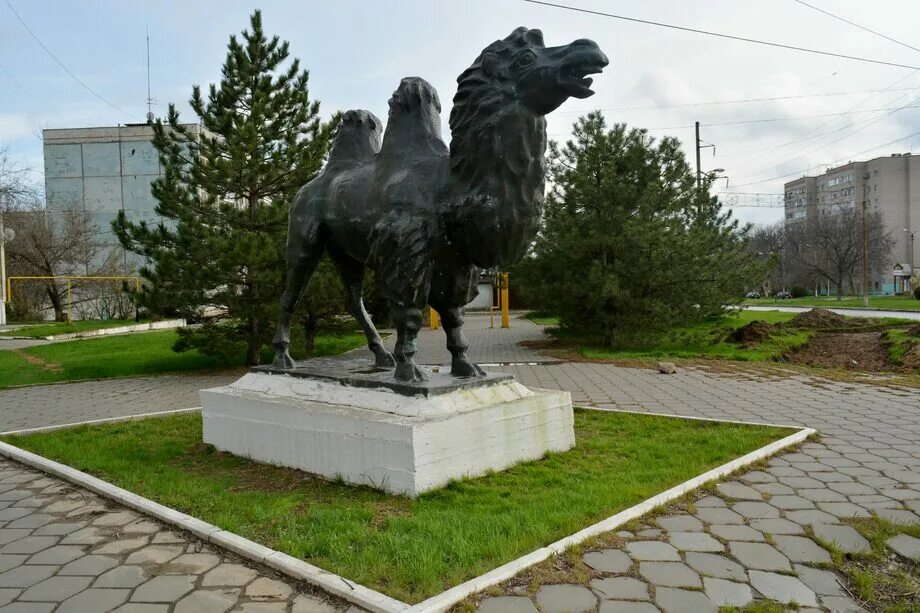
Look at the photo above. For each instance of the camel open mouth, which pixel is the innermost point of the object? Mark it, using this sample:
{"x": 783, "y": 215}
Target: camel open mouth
{"x": 575, "y": 79}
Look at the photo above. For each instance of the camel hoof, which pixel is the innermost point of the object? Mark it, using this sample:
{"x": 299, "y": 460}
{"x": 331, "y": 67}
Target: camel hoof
{"x": 462, "y": 367}
{"x": 283, "y": 359}
{"x": 384, "y": 359}
{"x": 409, "y": 372}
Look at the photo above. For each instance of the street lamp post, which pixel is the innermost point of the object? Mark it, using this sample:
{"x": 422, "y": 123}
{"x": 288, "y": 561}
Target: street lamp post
{"x": 5, "y": 235}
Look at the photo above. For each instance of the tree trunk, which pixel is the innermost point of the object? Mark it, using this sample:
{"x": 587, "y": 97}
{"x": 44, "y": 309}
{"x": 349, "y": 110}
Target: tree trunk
{"x": 253, "y": 343}
{"x": 56, "y": 302}
{"x": 310, "y": 328}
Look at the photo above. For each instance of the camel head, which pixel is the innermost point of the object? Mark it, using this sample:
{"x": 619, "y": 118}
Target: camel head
{"x": 539, "y": 77}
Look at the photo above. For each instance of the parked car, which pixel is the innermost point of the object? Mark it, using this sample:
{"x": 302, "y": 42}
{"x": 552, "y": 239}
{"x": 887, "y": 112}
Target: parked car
{"x": 782, "y": 295}
{"x": 754, "y": 294}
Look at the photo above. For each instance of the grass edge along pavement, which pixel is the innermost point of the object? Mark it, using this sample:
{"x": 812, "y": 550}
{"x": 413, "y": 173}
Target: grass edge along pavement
{"x": 404, "y": 548}
{"x": 49, "y": 328}
{"x": 128, "y": 355}
{"x": 877, "y": 303}
{"x": 705, "y": 339}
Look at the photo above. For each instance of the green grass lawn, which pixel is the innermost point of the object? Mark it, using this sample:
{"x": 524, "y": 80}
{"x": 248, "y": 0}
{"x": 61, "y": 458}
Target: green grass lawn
{"x": 901, "y": 303}
{"x": 144, "y": 353}
{"x": 64, "y": 327}
{"x": 542, "y": 318}
{"x": 899, "y": 343}
{"x": 409, "y": 549}
{"x": 705, "y": 339}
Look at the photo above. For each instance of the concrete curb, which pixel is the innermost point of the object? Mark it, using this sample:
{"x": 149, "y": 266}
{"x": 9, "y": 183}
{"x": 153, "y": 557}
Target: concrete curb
{"x": 332, "y": 583}
{"x": 448, "y": 598}
{"x": 166, "y": 324}
{"x": 342, "y": 587}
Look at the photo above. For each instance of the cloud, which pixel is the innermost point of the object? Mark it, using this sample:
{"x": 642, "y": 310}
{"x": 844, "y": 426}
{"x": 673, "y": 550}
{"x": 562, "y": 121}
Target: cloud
{"x": 14, "y": 126}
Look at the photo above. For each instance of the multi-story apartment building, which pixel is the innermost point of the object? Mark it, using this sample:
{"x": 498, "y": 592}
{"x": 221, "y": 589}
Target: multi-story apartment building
{"x": 888, "y": 184}
{"x": 103, "y": 171}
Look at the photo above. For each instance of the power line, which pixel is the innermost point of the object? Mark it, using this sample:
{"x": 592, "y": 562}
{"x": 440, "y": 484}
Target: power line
{"x": 867, "y": 123}
{"x": 767, "y": 120}
{"x": 735, "y": 101}
{"x": 814, "y": 138}
{"x": 721, "y": 35}
{"x": 856, "y": 25}
{"x": 61, "y": 64}
{"x": 799, "y": 172}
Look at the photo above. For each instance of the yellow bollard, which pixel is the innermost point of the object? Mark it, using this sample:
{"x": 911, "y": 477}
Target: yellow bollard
{"x": 506, "y": 318}
{"x": 434, "y": 319}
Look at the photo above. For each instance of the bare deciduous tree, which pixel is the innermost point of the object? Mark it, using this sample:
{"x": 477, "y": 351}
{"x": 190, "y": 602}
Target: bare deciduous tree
{"x": 14, "y": 181}
{"x": 56, "y": 243}
{"x": 830, "y": 246}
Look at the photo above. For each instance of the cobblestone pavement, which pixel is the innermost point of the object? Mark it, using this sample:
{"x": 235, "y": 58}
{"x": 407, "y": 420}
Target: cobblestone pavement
{"x": 748, "y": 541}
{"x": 66, "y": 550}
{"x": 65, "y": 403}
{"x": 487, "y": 345}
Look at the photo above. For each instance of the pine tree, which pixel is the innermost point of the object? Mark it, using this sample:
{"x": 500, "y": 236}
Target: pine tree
{"x": 225, "y": 196}
{"x": 651, "y": 250}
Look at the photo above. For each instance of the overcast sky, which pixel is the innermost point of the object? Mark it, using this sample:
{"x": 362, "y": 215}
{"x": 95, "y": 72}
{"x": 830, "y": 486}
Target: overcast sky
{"x": 357, "y": 51}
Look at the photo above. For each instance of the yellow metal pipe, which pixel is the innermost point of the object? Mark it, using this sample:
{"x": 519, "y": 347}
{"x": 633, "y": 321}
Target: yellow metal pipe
{"x": 506, "y": 316}
{"x": 433, "y": 319}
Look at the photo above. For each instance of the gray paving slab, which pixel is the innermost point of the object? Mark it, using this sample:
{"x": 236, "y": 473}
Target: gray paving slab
{"x": 906, "y": 545}
{"x": 565, "y": 599}
{"x": 670, "y": 574}
{"x": 620, "y": 588}
{"x": 673, "y": 600}
{"x": 608, "y": 561}
{"x": 783, "y": 588}
{"x": 846, "y": 538}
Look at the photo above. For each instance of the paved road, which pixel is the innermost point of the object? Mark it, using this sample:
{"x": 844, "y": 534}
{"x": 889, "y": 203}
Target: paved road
{"x": 915, "y": 315}
{"x": 7, "y": 344}
{"x": 747, "y": 542}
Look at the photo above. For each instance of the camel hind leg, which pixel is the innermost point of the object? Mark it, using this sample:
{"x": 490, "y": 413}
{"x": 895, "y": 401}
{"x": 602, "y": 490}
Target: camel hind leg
{"x": 304, "y": 252}
{"x": 352, "y": 272}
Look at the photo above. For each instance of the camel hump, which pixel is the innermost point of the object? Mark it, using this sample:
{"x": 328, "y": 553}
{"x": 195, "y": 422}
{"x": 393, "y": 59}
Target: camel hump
{"x": 357, "y": 139}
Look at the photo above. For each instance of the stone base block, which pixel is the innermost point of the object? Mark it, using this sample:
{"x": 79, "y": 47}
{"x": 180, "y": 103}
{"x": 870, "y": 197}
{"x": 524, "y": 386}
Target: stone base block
{"x": 397, "y": 443}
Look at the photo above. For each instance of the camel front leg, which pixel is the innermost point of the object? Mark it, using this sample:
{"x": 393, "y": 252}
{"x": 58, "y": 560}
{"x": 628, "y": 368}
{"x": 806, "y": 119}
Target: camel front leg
{"x": 460, "y": 365}
{"x": 408, "y": 323}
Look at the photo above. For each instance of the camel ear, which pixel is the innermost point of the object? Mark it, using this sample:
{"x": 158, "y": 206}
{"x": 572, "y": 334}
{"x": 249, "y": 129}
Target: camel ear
{"x": 490, "y": 63}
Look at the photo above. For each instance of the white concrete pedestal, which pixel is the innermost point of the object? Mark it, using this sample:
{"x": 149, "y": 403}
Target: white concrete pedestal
{"x": 377, "y": 437}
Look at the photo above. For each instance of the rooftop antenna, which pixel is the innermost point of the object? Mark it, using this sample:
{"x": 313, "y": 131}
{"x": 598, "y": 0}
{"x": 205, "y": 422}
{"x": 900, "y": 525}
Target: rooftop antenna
{"x": 149, "y": 99}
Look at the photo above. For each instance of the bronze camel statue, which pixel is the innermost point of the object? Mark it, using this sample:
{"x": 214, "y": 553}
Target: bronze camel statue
{"x": 426, "y": 219}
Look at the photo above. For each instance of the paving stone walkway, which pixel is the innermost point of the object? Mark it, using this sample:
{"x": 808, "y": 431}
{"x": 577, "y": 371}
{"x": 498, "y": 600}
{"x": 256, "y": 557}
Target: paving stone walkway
{"x": 65, "y": 549}
{"x": 746, "y": 542}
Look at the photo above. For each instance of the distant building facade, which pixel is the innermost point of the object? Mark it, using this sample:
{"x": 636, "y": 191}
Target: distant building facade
{"x": 887, "y": 184}
{"x": 103, "y": 171}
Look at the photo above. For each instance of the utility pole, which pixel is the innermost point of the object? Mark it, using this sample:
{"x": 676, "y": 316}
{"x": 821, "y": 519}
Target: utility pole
{"x": 699, "y": 172}
{"x": 865, "y": 232}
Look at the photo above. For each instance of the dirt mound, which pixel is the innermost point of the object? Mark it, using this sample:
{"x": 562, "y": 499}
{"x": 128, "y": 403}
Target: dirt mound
{"x": 911, "y": 360}
{"x": 750, "y": 334}
{"x": 861, "y": 351}
{"x": 817, "y": 319}
{"x": 914, "y": 330}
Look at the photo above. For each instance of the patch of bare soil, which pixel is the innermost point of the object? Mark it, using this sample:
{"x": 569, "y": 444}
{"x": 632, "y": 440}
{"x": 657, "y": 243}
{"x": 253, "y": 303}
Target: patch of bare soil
{"x": 822, "y": 319}
{"x": 750, "y": 334}
{"x": 911, "y": 360}
{"x": 37, "y": 361}
{"x": 862, "y": 351}
{"x": 914, "y": 330}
